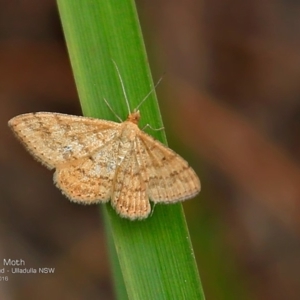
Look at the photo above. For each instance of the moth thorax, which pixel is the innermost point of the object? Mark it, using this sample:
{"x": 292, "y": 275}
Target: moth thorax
{"x": 128, "y": 133}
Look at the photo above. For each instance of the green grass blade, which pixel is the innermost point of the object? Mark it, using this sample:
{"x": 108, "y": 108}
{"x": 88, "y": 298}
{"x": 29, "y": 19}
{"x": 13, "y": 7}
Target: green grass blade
{"x": 155, "y": 256}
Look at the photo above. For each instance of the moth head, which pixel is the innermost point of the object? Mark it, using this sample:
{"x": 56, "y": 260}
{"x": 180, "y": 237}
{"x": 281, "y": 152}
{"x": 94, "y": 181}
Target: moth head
{"x": 134, "y": 117}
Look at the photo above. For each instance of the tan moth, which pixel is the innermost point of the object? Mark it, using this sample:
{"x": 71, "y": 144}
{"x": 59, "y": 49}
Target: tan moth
{"x": 97, "y": 160}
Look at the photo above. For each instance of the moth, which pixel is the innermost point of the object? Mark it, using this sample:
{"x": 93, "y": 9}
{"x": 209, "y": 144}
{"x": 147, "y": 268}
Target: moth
{"x": 97, "y": 161}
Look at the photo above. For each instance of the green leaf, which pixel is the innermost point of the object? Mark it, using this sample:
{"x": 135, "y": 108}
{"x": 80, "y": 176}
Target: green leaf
{"x": 154, "y": 258}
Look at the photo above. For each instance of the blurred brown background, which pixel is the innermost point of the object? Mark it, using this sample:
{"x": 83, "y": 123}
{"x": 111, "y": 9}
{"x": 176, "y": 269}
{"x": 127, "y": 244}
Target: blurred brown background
{"x": 230, "y": 101}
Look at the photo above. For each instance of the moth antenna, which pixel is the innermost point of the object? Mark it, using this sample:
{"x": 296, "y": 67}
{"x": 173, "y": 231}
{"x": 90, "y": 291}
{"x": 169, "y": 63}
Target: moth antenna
{"x": 123, "y": 88}
{"x": 151, "y": 91}
{"x": 107, "y": 103}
